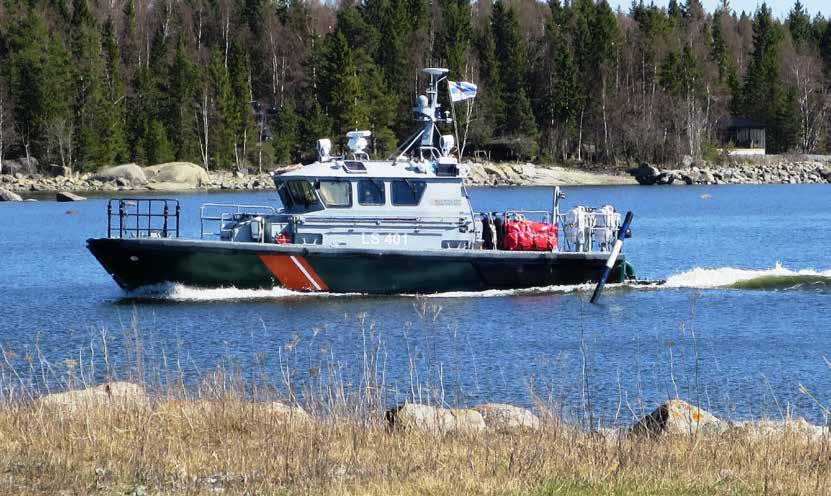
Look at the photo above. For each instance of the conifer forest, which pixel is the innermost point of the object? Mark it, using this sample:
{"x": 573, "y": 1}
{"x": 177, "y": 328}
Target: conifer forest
{"x": 254, "y": 83}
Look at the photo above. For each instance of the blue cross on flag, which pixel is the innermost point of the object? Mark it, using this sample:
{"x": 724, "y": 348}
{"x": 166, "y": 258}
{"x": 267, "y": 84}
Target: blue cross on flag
{"x": 461, "y": 90}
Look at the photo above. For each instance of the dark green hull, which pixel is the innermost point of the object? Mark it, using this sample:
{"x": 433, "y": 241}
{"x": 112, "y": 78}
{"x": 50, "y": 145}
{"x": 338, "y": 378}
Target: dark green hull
{"x": 141, "y": 262}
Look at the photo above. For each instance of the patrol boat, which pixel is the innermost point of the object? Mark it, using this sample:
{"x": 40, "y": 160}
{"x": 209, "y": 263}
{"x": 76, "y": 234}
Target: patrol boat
{"x": 350, "y": 224}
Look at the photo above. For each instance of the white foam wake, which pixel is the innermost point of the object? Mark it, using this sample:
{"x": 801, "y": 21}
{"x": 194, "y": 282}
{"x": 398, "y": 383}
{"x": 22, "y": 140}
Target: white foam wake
{"x": 179, "y": 292}
{"x": 492, "y": 293}
{"x": 730, "y": 276}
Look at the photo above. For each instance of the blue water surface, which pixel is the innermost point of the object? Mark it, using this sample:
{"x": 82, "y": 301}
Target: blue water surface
{"x": 742, "y": 353}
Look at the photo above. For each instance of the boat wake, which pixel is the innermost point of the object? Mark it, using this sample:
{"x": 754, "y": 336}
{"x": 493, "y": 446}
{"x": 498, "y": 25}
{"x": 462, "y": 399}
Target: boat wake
{"x": 777, "y": 278}
{"x": 180, "y": 292}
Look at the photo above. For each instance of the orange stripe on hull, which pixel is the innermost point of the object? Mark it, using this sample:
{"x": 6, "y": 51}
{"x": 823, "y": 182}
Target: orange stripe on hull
{"x": 294, "y": 272}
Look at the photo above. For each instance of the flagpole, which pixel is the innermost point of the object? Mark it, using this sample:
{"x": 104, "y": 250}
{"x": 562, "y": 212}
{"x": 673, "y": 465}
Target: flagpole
{"x": 455, "y": 127}
{"x": 467, "y": 124}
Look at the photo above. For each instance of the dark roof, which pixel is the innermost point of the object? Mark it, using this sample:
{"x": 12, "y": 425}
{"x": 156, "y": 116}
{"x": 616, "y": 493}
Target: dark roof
{"x": 740, "y": 122}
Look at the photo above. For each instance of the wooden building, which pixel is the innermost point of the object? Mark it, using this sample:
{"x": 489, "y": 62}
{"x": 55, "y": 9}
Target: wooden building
{"x": 742, "y": 136}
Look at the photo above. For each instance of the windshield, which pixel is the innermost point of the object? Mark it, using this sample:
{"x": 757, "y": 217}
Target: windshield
{"x": 336, "y": 193}
{"x": 301, "y": 193}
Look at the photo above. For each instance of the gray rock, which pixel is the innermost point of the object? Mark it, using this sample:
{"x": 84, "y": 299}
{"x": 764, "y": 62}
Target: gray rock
{"x": 678, "y": 417}
{"x": 177, "y": 172}
{"x": 665, "y": 178}
{"x": 687, "y": 161}
{"x": 66, "y": 196}
{"x": 435, "y": 419}
{"x": 168, "y": 186}
{"x": 646, "y": 174}
{"x": 131, "y": 173}
{"x": 826, "y": 174}
{"x": 776, "y": 428}
{"x": 507, "y": 417}
{"x": 8, "y": 196}
{"x": 113, "y": 393}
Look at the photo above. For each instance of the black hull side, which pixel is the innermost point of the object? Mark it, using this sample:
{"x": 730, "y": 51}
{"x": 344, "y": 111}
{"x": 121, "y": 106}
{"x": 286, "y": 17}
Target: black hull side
{"x": 141, "y": 262}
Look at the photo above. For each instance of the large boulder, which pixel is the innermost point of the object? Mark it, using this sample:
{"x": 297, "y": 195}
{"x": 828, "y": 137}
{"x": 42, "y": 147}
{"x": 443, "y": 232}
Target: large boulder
{"x": 435, "y": 419}
{"x": 177, "y": 172}
{"x": 8, "y": 196}
{"x": 798, "y": 427}
{"x": 168, "y": 186}
{"x": 666, "y": 178}
{"x": 20, "y": 166}
{"x": 496, "y": 170}
{"x": 66, "y": 196}
{"x": 646, "y": 174}
{"x": 56, "y": 170}
{"x": 826, "y": 173}
{"x": 124, "y": 394}
{"x": 129, "y": 173}
{"x": 678, "y": 417}
{"x": 503, "y": 417}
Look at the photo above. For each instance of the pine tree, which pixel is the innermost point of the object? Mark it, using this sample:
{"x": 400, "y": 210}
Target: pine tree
{"x": 799, "y": 25}
{"x": 510, "y": 52}
{"x": 454, "y": 36}
{"x": 242, "y": 120}
{"x": 222, "y": 111}
{"x": 825, "y": 50}
{"x": 718, "y": 47}
{"x": 112, "y": 115}
{"x": 184, "y": 83}
{"x": 40, "y": 82}
{"x": 340, "y": 88}
{"x": 159, "y": 149}
{"x": 286, "y": 134}
{"x": 491, "y": 105}
{"x": 763, "y": 94}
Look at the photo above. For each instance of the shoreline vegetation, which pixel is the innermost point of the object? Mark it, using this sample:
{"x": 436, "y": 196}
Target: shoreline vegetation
{"x": 138, "y": 421}
{"x": 118, "y": 438}
{"x": 185, "y": 176}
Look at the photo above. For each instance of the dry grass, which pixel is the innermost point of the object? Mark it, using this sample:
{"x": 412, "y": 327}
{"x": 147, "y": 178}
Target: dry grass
{"x": 215, "y": 434}
{"x": 237, "y": 447}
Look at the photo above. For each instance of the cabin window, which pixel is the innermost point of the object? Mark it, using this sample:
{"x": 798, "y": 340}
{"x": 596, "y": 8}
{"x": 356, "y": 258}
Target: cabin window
{"x": 301, "y": 193}
{"x": 407, "y": 192}
{"x": 371, "y": 192}
{"x": 336, "y": 193}
{"x": 285, "y": 196}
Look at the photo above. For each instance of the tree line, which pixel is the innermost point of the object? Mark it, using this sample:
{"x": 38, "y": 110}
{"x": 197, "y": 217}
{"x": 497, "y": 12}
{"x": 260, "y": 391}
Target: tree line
{"x": 252, "y": 83}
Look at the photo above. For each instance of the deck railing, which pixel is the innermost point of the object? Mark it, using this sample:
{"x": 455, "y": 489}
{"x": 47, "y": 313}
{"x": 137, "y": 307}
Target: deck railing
{"x": 220, "y": 214}
{"x": 143, "y": 218}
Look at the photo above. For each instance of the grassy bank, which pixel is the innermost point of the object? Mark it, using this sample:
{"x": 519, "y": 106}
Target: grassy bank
{"x": 227, "y": 443}
{"x": 229, "y": 430}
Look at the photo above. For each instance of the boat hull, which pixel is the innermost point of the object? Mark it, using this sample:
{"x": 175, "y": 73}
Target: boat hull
{"x": 134, "y": 263}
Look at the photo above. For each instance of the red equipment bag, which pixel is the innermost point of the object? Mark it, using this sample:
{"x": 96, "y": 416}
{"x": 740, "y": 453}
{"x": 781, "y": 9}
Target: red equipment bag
{"x": 524, "y": 235}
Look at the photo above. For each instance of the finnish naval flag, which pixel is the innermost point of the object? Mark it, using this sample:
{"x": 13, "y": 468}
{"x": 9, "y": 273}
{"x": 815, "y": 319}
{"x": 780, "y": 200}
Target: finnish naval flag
{"x": 461, "y": 90}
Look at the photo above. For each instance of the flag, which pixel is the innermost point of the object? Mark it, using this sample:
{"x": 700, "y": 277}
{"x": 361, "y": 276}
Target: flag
{"x": 461, "y": 90}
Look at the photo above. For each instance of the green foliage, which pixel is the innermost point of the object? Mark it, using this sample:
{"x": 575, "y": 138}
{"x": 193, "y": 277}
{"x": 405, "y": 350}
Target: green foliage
{"x": 799, "y": 25}
{"x": 181, "y": 114}
{"x": 222, "y": 117}
{"x": 286, "y": 135}
{"x": 40, "y": 80}
{"x": 764, "y": 97}
{"x": 509, "y": 47}
{"x": 156, "y": 144}
{"x": 92, "y": 85}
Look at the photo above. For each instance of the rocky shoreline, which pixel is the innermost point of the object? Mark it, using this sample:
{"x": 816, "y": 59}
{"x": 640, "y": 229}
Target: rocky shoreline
{"x": 761, "y": 171}
{"x": 185, "y": 177}
{"x": 674, "y": 417}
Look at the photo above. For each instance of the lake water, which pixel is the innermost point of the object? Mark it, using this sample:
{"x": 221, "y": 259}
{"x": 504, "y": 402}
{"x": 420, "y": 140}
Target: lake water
{"x": 743, "y": 324}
